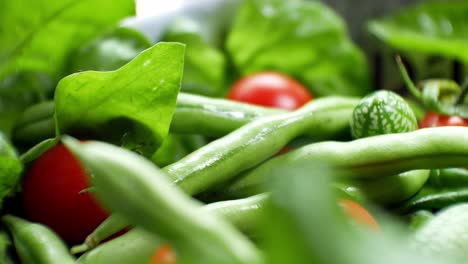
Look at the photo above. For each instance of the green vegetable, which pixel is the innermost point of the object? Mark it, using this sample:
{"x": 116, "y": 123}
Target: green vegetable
{"x": 436, "y": 28}
{"x": 445, "y": 233}
{"x": 419, "y": 219}
{"x": 382, "y": 112}
{"x": 394, "y": 188}
{"x": 204, "y": 69}
{"x": 35, "y": 124}
{"x": 111, "y": 226}
{"x": 437, "y": 95}
{"x": 448, "y": 178}
{"x": 304, "y": 39}
{"x": 244, "y": 214}
{"x": 131, "y": 106}
{"x": 35, "y": 243}
{"x": 429, "y": 199}
{"x": 18, "y": 91}
{"x": 373, "y": 157}
{"x": 6, "y": 248}
{"x": 137, "y": 246}
{"x": 109, "y": 51}
{"x": 10, "y": 169}
{"x": 304, "y": 225}
{"x": 43, "y": 41}
{"x": 193, "y": 233}
{"x": 256, "y": 141}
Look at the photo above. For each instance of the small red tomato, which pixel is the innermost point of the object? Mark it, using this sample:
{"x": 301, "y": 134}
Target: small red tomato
{"x": 358, "y": 213}
{"x": 432, "y": 119}
{"x": 163, "y": 255}
{"x": 54, "y": 194}
{"x": 270, "y": 89}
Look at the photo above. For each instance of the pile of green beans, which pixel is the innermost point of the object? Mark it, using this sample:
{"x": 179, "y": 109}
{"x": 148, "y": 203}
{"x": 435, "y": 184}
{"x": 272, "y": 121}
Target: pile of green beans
{"x": 388, "y": 169}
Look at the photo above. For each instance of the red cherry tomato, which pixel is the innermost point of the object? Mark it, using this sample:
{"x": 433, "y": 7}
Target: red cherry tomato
{"x": 270, "y": 89}
{"x": 54, "y": 194}
{"x": 358, "y": 213}
{"x": 432, "y": 119}
{"x": 163, "y": 255}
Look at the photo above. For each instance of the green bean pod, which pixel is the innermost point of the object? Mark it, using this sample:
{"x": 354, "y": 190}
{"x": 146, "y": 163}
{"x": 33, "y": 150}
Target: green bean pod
{"x": 374, "y": 157}
{"x": 111, "y": 226}
{"x": 394, "y": 188}
{"x": 214, "y": 117}
{"x": 35, "y": 243}
{"x": 448, "y": 178}
{"x": 136, "y": 246}
{"x": 244, "y": 214}
{"x": 430, "y": 199}
{"x": 132, "y": 186}
{"x": 385, "y": 190}
{"x": 260, "y": 139}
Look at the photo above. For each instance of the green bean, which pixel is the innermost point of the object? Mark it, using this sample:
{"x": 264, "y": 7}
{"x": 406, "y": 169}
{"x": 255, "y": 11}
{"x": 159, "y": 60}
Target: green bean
{"x": 249, "y": 145}
{"x": 447, "y": 178}
{"x": 35, "y": 243}
{"x": 132, "y": 186}
{"x": 136, "y": 246}
{"x": 394, "y": 188}
{"x": 214, "y": 117}
{"x": 374, "y": 157}
{"x": 112, "y": 225}
{"x": 242, "y": 213}
{"x": 384, "y": 190}
{"x": 434, "y": 200}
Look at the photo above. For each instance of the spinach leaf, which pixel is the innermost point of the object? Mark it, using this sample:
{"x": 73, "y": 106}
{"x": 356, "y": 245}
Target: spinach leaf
{"x": 10, "y": 168}
{"x": 436, "y": 28}
{"x": 204, "y": 64}
{"x": 304, "y": 39}
{"x": 132, "y": 106}
{"x": 109, "y": 51}
{"x": 39, "y": 35}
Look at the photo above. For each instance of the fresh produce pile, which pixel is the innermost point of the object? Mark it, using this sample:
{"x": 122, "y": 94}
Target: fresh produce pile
{"x": 266, "y": 141}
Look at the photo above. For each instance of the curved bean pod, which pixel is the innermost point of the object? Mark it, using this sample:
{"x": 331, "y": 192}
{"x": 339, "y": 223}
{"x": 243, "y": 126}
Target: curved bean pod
{"x": 434, "y": 200}
{"x": 35, "y": 243}
{"x": 374, "y": 157}
{"x": 251, "y": 144}
{"x": 450, "y": 177}
{"x": 242, "y": 213}
{"x": 394, "y": 188}
{"x": 136, "y": 246}
{"x": 214, "y": 117}
{"x": 118, "y": 173}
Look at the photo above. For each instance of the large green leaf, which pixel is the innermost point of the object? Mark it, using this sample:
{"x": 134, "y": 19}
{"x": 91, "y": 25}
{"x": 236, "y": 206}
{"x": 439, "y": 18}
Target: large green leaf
{"x": 109, "y": 51}
{"x": 39, "y": 35}
{"x": 438, "y": 28}
{"x": 304, "y": 39}
{"x": 10, "y": 168}
{"x": 132, "y": 106}
{"x": 204, "y": 64}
